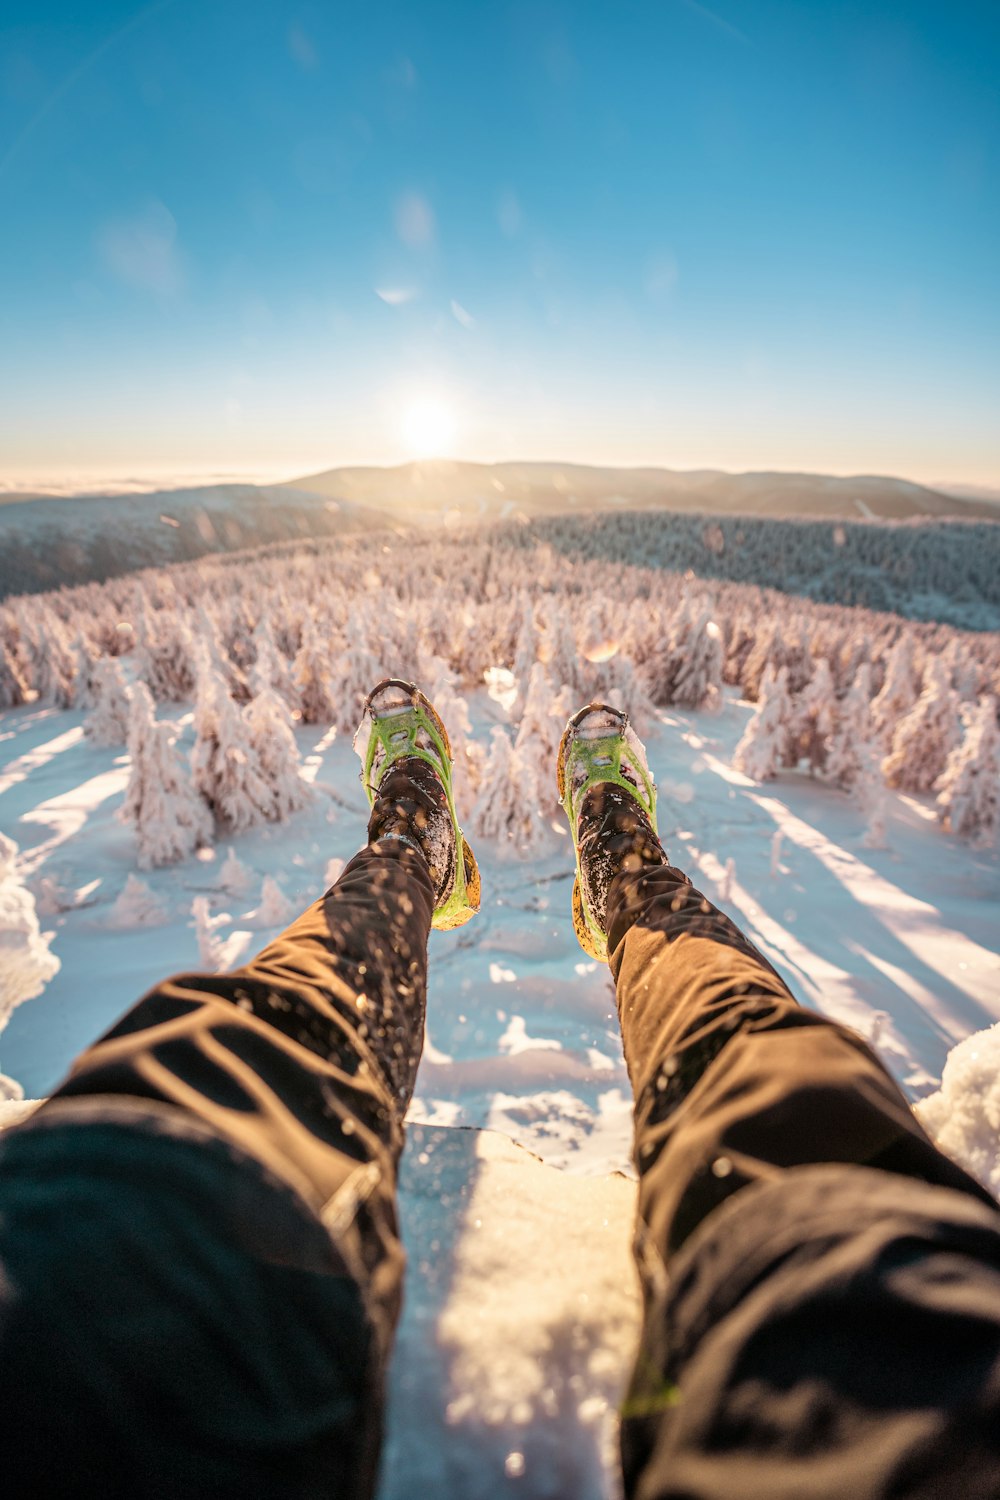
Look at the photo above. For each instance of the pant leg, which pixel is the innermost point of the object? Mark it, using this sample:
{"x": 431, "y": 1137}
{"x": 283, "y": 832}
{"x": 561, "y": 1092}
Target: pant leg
{"x": 739, "y": 1088}
{"x": 253, "y": 1121}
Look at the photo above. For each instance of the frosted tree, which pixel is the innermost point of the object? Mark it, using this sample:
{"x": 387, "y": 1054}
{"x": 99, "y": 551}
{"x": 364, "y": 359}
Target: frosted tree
{"x": 161, "y": 804}
{"x": 441, "y": 687}
{"x": 210, "y": 657}
{"x": 354, "y": 671}
{"x": 137, "y": 906}
{"x": 13, "y": 688}
{"x": 767, "y": 743}
{"x": 276, "y": 754}
{"x": 898, "y": 692}
{"x": 235, "y": 878}
{"x": 224, "y": 760}
{"x": 684, "y": 665}
{"x": 51, "y": 667}
{"x": 599, "y": 634}
{"x": 526, "y": 642}
{"x": 26, "y": 962}
{"x": 166, "y": 658}
{"x": 618, "y": 682}
{"x": 84, "y": 666}
{"x": 926, "y": 736}
{"x": 757, "y": 661}
{"x": 275, "y": 909}
{"x": 271, "y": 670}
{"x": 210, "y": 944}
{"x": 969, "y": 788}
{"x": 698, "y": 677}
{"x": 962, "y": 669}
{"x": 850, "y": 750}
{"x": 107, "y": 722}
{"x": 557, "y": 646}
{"x": 537, "y": 741}
{"x": 508, "y": 808}
{"x": 313, "y": 678}
{"x": 869, "y": 792}
{"x": 815, "y": 711}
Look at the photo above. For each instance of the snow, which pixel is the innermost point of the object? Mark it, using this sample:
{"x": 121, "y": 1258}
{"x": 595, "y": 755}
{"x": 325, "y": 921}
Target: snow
{"x": 510, "y": 1358}
{"x": 26, "y": 962}
{"x": 964, "y": 1113}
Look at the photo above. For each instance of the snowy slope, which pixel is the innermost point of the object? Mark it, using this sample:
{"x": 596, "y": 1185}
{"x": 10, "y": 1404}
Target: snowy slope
{"x": 506, "y": 1375}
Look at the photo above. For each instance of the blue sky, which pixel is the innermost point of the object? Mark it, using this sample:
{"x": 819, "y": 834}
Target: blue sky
{"x": 266, "y": 238}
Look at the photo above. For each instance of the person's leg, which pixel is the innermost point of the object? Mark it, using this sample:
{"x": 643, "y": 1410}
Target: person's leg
{"x": 795, "y": 1343}
{"x": 198, "y": 1237}
{"x": 821, "y": 1285}
{"x": 200, "y": 1265}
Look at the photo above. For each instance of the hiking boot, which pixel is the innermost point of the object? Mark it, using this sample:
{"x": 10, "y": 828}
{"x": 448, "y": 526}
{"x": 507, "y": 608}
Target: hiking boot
{"x": 406, "y": 770}
{"x": 610, "y": 800}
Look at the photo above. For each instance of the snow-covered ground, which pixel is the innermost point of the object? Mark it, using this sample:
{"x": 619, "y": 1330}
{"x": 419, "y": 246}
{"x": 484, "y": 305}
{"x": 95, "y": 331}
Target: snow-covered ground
{"x": 521, "y": 1303}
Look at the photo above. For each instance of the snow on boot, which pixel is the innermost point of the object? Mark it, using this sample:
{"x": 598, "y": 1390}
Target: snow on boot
{"x": 407, "y": 774}
{"x": 609, "y": 798}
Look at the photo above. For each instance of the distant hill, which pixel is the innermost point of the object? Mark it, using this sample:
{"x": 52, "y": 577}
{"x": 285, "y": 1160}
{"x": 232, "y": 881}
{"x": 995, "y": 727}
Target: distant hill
{"x": 429, "y": 490}
{"x": 48, "y": 541}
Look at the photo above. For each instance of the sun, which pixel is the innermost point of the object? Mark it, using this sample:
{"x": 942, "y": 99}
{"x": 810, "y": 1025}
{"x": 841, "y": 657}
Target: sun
{"x": 428, "y": 426}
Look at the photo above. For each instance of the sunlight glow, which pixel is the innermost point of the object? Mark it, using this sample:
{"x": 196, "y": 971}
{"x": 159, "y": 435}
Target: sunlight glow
{"x": 428, "y": 427}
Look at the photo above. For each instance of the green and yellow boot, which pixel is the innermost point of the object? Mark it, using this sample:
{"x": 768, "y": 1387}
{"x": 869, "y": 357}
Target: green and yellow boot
{"x": 406, "y": 770}
{"x": 609, "y": 797}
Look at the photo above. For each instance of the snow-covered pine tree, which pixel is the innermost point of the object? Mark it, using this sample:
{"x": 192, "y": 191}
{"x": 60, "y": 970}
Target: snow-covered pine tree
{"x": 210, "y": 947}
{"x": 270, "y": 670}
{"x": 698, "y": 678}
{"x": 13, "y": 688}
{"x": 850, "y": 747}
{"x": 899, "y": 689}
{"x": 235, "y": 878}
{"x": 767, "y": 743}
{"x": 440, "y": 684}
{"x": 51, "y": 668}
{"x": 925, "y": 736}
{"x": 354, "y": 672}
{"x": 166, "y": 658}
{"x": 962, "y": 669}
{"x": 275, "y": 909}
{"x": 161, "y": 804}
{"x": 757, "y": 661}
{"x": 84, "y": 665}
{"x": 313, "y": 678}
{"x": 210, "y": 656}
{"x": 557, "y": 644}
{"x": 527, "y": 638}
{"x": 137, "y": 906}
{"x": 26, "y": 962}
{"x": 224, "y": 761}
{"x": 276, "y": 754}
{"x": 968, "y": 799}
{"x": 508, "y": 808}
{"x": 537, "y": 741}
{"x": 814, "y": 710}
{"x": 108, "y": 720}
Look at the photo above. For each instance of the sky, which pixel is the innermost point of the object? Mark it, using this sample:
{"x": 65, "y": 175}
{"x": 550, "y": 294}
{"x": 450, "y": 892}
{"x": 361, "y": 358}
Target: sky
{"x": 265, "y": 239}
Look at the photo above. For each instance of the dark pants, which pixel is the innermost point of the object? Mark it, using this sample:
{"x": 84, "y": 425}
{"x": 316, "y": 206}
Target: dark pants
{"x": 200, "y": 1266}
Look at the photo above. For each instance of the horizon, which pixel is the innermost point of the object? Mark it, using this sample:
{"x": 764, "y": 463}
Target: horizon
{"x": 124, "y": 484}
{"x": 265, "y": 244}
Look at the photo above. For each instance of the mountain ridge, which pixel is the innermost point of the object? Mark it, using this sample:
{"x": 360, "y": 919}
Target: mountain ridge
{"x": 428, "y": 488}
